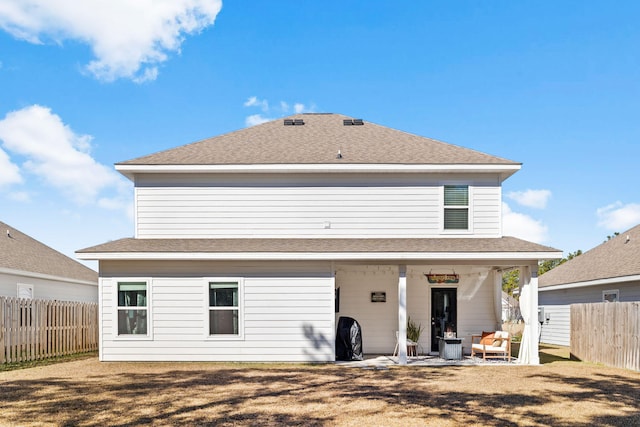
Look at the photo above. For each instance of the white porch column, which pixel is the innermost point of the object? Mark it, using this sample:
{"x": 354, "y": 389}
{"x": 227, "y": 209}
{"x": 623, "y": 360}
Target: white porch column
{"x": 402, "y": 314}
{"x": 529, "y": 349}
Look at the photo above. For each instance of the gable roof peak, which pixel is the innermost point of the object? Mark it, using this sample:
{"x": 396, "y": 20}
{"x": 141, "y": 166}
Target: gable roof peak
{"x": 315, "y": 140}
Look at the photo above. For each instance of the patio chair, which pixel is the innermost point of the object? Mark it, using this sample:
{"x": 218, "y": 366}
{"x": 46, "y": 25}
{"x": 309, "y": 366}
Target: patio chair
{"x": 492, "y": 345}
{"x": 412, "y": 346}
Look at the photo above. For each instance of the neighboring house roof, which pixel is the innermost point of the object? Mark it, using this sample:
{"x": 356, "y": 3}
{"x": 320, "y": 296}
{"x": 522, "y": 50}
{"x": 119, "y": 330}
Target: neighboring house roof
{"x": 318, "y": 141}
{"x": 616, "y": 258}
{"x": 322, "y": 248}
{"x": 19, "y": 252}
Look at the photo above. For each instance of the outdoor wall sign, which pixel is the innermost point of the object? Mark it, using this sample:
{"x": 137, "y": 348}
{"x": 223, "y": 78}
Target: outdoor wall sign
{"x": 378, "y": 297}
{"x": 442, "y": 278}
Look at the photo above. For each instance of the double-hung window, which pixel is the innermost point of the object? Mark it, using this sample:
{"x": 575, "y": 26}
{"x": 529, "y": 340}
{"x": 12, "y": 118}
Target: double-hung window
{"x": 456, "y": 207}
{"x": 224, "y": 308}
{"x": 132, "y": 308}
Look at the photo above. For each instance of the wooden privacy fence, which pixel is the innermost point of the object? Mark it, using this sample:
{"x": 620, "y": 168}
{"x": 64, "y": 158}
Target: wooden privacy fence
{"x": 607, "y": 333}
{"x": 39, "y": 329}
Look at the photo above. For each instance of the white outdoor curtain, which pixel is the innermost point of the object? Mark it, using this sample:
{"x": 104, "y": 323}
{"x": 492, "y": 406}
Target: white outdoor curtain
{"x": 497, "y": 298}
{"x": 524, "y": 356}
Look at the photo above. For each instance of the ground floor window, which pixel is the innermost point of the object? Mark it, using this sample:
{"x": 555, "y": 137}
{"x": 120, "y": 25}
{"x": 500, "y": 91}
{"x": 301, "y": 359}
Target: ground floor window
{"x": 132, "y": 308}
{"x": 611, "y": 296}
{"x": 224, "y": 308}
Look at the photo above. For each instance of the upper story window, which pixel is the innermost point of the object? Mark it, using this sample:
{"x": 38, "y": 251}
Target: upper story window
{"x": 456, "y": 207}
{"x": 132, "y": 308}
{"x": 224, "y": 308}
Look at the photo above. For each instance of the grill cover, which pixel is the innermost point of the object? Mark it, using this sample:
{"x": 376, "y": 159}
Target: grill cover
{"x": 348, "y": 339}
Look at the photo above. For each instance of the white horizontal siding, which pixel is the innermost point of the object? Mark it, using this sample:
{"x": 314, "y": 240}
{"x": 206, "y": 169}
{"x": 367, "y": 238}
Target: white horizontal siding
{"x": 557, "y": 330}
{"x": 487, "y": 211}
{"x": 285, "y": 319}
{"x": 274, "y": 209}
{"x": 210, "y": 212}
{"x": 628, "y": 291}
{"x": 48, "y": 289}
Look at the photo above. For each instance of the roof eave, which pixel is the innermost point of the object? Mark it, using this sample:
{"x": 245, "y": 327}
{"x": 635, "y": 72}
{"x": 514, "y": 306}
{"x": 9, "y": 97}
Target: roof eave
{"x": 587, "y": 283}
{"x": 35, "y": 275}
{"x": 504, "y": 170}
{"x": 318, "y": 256}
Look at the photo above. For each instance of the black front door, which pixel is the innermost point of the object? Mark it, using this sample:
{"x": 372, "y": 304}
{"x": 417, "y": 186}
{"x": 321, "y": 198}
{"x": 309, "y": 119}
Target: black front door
{"x": 443, "y": 313}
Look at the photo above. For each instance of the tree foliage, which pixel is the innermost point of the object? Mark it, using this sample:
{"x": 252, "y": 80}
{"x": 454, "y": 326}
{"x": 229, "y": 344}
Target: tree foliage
{"x": 511, "y": 279}
{"x": 545, "y": 266}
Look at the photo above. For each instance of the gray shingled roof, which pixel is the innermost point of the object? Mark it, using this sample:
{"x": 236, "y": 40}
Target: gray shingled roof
{"x": 318, "y": 142}
{"x": 614, "y": 258}
{"x": 21, "y": 252}
{"x": 316, "y": 245}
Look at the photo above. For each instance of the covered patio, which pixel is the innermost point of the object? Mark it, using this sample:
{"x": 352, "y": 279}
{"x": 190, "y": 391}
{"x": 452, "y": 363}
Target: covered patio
{"x": 383, "y": 298}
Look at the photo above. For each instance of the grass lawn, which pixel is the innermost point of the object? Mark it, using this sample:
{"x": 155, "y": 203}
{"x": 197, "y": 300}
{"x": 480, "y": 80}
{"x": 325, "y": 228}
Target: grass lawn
{"x": 86, "y": 392}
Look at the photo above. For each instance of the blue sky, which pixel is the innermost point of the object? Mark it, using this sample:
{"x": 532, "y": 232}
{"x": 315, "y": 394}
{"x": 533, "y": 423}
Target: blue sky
{"x": 554, "y": 85}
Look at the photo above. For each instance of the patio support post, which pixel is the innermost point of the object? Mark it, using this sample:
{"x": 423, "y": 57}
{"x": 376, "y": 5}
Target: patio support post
{"x": 529, "y": 349}
{"x": 402, "y": 314}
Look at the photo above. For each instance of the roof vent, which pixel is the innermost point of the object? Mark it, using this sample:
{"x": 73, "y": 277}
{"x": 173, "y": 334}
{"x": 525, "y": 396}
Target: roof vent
{"x": 352, "y": 122}
{"x": 293, "y": 122}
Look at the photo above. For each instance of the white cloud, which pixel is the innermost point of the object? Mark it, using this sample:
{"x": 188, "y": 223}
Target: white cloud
{"x": 253, "y": 101}
{"x": 619, "y": 217}
{"x": 522, "y": 226}
{"x": 9, "y": 172}
{"x": 128, "y": 38}
{"x": 531, "y": 198}
{"x": 57, "y": 155}
{"x": 281, "y": 109}
{"x": 256, "y": 119}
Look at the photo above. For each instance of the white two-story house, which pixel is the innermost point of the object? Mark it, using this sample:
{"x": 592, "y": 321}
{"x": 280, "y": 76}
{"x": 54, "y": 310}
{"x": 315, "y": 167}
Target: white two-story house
{"x": 250, "y": 245}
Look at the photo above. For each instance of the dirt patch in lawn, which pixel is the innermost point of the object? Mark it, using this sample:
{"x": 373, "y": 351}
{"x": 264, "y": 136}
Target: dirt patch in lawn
{"x": 88, "y": 393}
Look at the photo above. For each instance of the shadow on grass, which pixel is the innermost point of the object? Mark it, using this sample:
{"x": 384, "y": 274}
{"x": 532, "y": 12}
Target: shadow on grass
{"x": 547, "y": 353}
{"x": 300, "y": 395}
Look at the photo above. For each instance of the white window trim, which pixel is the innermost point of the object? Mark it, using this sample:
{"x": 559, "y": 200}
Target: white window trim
{"x": 149, "y": 335}
{"x": 469, "y": 230}
{"x": 611, "y": 291}
{"x": 25, "y": 285}
{"x": 241, "y": 308}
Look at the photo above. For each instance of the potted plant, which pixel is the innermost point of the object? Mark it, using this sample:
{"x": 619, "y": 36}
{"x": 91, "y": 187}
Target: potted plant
{"x": 413, "y": 330}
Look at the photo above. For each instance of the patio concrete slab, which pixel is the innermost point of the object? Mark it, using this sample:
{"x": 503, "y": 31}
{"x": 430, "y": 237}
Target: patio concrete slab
{"x": 385, "y": 361}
